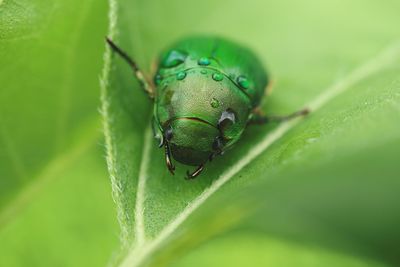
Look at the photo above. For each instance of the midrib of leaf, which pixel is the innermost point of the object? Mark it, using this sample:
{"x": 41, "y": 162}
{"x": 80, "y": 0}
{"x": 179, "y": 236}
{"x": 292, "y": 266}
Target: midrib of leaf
{"x": 140, "y": 234}
{"x": 141, "y": 250}
{"x": 49, "y": 172}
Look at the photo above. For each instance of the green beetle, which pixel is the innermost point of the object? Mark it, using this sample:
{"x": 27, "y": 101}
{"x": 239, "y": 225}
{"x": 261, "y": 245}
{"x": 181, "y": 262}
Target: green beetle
{"x": 206, "y": 91}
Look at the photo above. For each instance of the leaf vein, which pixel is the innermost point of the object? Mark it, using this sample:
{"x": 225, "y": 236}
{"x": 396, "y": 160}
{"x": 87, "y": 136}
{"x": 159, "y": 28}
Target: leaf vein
{"x": 140, "y": 195}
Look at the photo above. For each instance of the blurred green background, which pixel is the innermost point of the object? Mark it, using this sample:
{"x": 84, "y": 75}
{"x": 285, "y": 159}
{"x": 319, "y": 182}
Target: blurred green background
{"x": 326, "y": 194}
{"x": 56, "y": 207}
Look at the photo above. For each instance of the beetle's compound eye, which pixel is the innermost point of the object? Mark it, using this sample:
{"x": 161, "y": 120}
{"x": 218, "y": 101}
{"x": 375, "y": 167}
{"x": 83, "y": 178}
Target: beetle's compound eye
{"x": 218, "y": 144}
{"x": 173, "y": 58}
{"x": 227, "y": 119}
{"x": 227, "y": 125}
{"x": 168, "y": 133}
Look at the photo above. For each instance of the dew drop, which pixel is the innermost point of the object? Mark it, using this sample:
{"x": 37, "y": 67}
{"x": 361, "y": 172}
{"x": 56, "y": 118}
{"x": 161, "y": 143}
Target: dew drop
{"x": 204, "y": 61}
{"x": 173, "y": 58}
{"x": 217, "y": 76}
{"x": 203, "y": 71}
{"x": 181, "y": 75}
{"x": 214, "y": 103}
{"x": 243, "y": 82}
{"x": 158, "y": 79}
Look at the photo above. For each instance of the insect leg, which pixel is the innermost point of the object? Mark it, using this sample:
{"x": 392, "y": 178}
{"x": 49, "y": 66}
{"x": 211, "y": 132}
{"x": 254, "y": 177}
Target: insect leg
{"x": 196, "y": 172}
{"x": 259, "y": 118}
{"x": 147, "y": 87}
{"x": 168, "y": 160}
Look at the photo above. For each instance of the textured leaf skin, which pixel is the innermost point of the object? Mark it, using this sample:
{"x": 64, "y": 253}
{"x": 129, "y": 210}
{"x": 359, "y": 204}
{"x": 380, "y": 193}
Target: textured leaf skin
{"x": 55, "y": 204}
{"x": 335, "y": 56}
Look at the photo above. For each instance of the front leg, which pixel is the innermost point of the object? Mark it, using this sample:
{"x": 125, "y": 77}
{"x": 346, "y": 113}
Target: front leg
{"x": 260, "y": 118}
{"x": 144, "y": 83}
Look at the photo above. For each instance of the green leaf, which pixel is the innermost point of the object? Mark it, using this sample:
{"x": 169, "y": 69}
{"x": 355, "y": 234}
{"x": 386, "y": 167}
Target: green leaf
{"x": 339, "y": 60}
{"x": 254, "y": 249}
{"x": 54, "y": 204}
{"x": 69, "y": 222}
{"x": 50, "y": 59}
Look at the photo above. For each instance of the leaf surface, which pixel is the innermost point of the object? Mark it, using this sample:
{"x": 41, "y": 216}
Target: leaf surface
{"x": 345, "y": 70}
{"x": 55, "y": 208}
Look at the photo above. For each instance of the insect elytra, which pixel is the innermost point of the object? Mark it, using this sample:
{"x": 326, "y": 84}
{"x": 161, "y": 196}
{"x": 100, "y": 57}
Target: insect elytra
{"x": 205, "y": 91}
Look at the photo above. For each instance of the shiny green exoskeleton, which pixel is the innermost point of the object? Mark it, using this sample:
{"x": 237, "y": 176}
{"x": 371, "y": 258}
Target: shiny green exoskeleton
{"x": 206, "y": 91}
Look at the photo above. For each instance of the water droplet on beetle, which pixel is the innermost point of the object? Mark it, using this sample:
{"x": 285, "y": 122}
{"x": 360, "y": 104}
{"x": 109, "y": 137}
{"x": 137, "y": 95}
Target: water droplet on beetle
{"x": 173, "y": 58}
{"x": 158, "y": 79}
{"x": 243, "y": 82}
{"x": 214, "y": 103}
{"x": 217, "y": 76}
{"x": 181, "y": 75}
{"x": 204, "y": 61}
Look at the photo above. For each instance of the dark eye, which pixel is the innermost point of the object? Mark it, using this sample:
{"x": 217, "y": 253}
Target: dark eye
{"x": 218, "y": 144}
{"x": 168, "y": 133}
{"x": 173, "y": 58}
{"x": 227, "y": 124}
{"x": 227, "y": 119}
